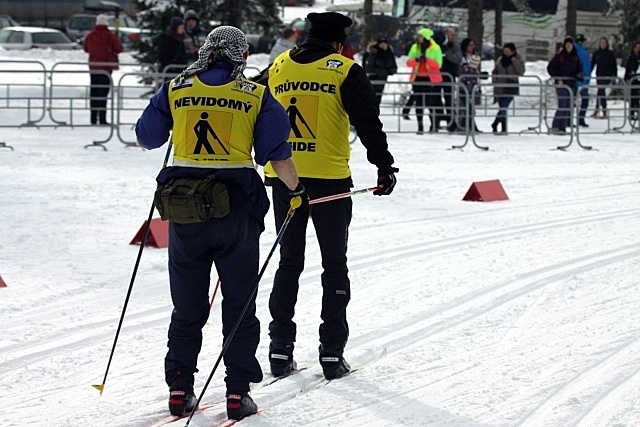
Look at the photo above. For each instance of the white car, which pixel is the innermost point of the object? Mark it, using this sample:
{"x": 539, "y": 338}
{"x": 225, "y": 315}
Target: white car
{"x": 25, "y": 38}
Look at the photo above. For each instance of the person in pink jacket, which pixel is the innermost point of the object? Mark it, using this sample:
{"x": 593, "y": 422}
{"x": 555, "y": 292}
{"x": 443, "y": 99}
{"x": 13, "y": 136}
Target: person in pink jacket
{"x": 425, "y": 60}
{"x": 103, "y": 48}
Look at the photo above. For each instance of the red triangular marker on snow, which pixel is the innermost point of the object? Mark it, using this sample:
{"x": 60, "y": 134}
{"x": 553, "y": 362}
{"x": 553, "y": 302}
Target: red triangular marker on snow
{"x": 2, "y": 284}
{"x": 158, "y": 234}
{"x": 486, "y": 191}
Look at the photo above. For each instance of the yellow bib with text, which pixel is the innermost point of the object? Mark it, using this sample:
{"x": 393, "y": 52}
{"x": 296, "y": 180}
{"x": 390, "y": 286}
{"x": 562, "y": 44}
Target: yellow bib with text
{"x": 310, "y": 94}
{"x": 213, "y": 125}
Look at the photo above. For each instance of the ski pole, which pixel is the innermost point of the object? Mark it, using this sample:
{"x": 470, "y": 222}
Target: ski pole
{"x": 133, "y": 278}
{"x": 295, "y": 203}
{"x": 214, "y": 293}
{"x": 342, "y": 195}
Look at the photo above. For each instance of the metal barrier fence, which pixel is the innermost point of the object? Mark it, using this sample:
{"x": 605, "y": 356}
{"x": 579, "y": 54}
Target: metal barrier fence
{"x": 537, "y": 102}
{"x": 31, "y": 95}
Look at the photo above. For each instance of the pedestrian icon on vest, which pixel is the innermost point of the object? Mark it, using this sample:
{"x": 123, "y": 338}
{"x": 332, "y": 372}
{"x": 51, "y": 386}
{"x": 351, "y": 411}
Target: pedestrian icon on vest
{"x": 203, "y": 129}
{"x": 294, "y": 114}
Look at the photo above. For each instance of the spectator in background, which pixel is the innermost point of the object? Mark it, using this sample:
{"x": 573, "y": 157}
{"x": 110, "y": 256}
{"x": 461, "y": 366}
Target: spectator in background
{"x": 566, "y": 69}
{"x": 466, "y": 101}
{"x": 171, "y": 48}
{"x": 451, "y": 57}
{"x": 468, "y": 49}
{"x": 103, "y": 48}
{"x": 425, "y": 60}
{"x": 469, "y": 72}
{"x": 194, "y": 35}
{"x": 284, "y": 43}
{"x": 380, "y": 64}
{"x": 508, "y": 67}
{"x": 583, "y": 85}
{"x": 604, "y": 62}
{"x": 348, "y": 49}
{"x": 631, "y": 75}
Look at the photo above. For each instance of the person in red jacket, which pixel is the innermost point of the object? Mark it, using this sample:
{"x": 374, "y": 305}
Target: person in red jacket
{"x": 103, "y": 47}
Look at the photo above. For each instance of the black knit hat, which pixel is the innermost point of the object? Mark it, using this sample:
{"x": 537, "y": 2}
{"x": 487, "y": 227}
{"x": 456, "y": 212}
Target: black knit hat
{"x": 329, "y": 26}
{"x": 511, "y": 46}
{"x": 175, "y": 22}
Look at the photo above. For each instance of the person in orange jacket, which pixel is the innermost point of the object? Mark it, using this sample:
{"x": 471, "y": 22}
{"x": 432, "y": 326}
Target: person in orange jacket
{"x": 425, "y": 60}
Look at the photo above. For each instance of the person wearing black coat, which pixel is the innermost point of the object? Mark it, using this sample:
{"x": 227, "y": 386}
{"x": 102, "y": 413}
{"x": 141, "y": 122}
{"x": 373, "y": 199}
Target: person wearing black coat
{"x": 346, "y": 97}
{"x": 194, "y": 35}
{"x": 566, "y": 69}
{"x": 380, "y": 64}
{"x": 171, "y": 48}
{"x": 604, "y": 62}
{"x": 508, "y": 67}
{"x": 631, "y": 76}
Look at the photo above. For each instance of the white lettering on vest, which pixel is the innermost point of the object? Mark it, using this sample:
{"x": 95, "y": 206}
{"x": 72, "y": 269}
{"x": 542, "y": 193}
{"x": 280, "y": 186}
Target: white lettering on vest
{"x": 208, "y": 101}
{"x": 305, "y": 86}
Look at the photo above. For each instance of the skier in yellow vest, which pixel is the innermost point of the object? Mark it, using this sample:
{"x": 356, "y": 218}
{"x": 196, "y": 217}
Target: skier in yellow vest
{"x": 323, "y": 92}
{"x": 217, "y": 119}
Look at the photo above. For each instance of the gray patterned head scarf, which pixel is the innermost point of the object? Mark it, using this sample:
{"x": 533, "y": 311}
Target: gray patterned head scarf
{"x": 225, "y": 42}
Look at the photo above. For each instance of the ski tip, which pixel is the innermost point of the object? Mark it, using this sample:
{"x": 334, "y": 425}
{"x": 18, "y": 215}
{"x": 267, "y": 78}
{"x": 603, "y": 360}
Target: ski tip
{"x": 100, "y": 387}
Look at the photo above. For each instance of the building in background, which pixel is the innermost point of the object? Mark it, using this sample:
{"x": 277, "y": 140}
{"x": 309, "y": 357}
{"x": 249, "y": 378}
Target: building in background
{"x": 535, "y": 33}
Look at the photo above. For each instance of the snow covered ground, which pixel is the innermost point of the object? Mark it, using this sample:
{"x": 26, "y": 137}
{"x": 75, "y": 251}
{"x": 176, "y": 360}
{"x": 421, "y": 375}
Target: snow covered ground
{"x": 514, "y": 313}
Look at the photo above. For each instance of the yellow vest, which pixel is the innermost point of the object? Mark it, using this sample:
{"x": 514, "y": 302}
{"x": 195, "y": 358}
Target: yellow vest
{"x": 310, "y": 93}
{"x": 213, "y": 125}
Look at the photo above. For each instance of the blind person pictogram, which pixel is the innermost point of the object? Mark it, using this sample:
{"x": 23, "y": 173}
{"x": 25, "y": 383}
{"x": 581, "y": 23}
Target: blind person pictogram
{"x": 208, "y": 133}
{"x": 303, "y": 113}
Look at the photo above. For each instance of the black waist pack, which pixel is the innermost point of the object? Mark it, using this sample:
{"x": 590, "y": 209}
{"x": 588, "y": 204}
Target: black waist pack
{"x": 191, "y": 200}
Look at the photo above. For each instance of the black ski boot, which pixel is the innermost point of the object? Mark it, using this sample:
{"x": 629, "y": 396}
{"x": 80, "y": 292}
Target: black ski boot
{"x": 333, "y": 364}
{"x": 240, "y": 405}
{"x": 494, "y": 126}
{"x": 182, "y": 399}
{"x": 281, "y": 359}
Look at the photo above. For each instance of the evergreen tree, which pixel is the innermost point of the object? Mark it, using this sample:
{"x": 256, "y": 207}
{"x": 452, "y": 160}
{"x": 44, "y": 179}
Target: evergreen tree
{"x": 629, "y": 21}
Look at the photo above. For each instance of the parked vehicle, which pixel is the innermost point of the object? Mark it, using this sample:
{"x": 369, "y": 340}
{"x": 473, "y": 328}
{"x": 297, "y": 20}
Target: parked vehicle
{"x": 25, "y": 38}
{"x": 80, "y": 24}
{"x": 7, "y": 21}
{"x": 383, "y": 25}
{"x": 299, "y": 2}
{"x": 257, "y": 40}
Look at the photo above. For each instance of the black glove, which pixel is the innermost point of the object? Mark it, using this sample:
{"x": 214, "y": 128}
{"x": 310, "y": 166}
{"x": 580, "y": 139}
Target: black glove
{"x": 386, "y": 181}
{"x": 422, "y": 58}
{"x": 299, "y": 196}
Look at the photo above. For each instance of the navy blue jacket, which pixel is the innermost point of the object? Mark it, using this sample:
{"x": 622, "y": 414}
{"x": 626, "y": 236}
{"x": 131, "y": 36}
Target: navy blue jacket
{"x": 245, "y": 185}
{"x": 566, "y": 66}
{"x": 604, "y": 61}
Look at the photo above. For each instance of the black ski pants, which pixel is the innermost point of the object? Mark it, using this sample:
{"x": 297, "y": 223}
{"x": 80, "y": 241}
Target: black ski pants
{"x": 331, "y": 221}
{"x": 98, "y": 92}
{"x": 232, "y": 243}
